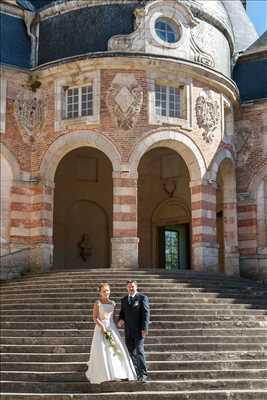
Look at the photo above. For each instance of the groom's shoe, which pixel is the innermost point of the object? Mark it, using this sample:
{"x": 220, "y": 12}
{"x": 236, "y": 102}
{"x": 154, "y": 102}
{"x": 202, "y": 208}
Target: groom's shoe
{"x": 142, "y": 379}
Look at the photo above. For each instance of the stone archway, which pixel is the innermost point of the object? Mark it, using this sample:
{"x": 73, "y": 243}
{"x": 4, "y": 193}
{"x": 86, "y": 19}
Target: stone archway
{"x": 174, "y": 140}
{"x": 71, "y": 141}
{"x": 164, "y": 201}
{"x": 83, "y": 210}
{"x": 61, "y": 148}
{"x": 223, "y": 172}
{"x": 10, "y": 172}
{"x": 258, "y": 192}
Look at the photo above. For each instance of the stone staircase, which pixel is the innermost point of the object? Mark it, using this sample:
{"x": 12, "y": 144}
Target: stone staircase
{"x": 207, "y": 341}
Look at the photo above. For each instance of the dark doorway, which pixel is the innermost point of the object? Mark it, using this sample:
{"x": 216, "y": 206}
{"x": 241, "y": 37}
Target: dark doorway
{"x": 174, "y": 247}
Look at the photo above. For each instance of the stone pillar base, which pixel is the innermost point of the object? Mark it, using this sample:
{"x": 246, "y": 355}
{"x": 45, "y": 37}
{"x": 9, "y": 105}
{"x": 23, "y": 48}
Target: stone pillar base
{"x": 231, "y": 264}
{"x": 124, "y": 252}
{"x": 20, "y": 261}
{"x": 205, "y": 257}
{"x": 254, "y": 267}
{"x": 41, "y": 258}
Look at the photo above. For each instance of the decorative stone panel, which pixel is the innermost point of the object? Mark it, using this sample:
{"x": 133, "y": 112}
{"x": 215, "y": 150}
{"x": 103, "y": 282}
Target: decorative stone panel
{"x": 30, "y": 110}
{"x": 124, "y": 100}
{"x": 207, "y": 114}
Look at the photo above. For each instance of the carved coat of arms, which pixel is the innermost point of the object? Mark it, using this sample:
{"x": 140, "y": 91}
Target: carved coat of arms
{"x": 207, "y": 114}
{"x": 29, "y": 109}
{"x": 124, "y": 100}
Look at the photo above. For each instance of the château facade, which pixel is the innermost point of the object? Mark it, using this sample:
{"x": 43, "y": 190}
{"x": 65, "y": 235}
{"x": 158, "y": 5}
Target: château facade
{"x": 133, "y": 134}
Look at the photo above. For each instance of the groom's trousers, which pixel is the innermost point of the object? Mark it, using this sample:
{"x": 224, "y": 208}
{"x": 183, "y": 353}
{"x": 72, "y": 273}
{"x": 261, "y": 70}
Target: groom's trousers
{"x": 135, "y": 346}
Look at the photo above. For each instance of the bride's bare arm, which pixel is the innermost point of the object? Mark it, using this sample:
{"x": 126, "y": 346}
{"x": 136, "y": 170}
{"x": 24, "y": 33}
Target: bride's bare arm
{"x": 97, "y": 319}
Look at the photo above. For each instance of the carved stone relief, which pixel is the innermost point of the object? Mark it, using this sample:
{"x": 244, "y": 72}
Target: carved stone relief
{"x": 124, "y": 100}
{"x": 200, "y": 56}
{"x": 207, "y": 114}
{"x": 30, "y": 110}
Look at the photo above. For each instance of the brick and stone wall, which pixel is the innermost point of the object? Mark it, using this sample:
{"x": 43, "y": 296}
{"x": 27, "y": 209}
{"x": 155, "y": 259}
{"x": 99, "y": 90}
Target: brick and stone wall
{"x": 124, "y": 138}
{"x": 251, "y": 132}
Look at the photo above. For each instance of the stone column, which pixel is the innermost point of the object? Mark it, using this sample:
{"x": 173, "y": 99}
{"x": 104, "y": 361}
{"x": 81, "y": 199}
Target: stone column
{"x": 231, "y": 253}
{"x": 124, "y": 243}
{"x": 31, "y": 223}
{"x": 247, "y": 225}
{"x": 204, "y": 244}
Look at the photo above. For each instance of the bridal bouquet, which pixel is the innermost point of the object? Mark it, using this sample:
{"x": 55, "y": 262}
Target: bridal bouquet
{"x": 111, "y": 342}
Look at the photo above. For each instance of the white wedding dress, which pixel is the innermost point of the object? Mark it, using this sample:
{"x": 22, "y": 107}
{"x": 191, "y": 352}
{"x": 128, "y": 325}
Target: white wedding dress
{"x": 104, "y": 363}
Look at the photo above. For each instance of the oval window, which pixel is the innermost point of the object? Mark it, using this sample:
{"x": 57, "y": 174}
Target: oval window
{"x": 167, "y": 30}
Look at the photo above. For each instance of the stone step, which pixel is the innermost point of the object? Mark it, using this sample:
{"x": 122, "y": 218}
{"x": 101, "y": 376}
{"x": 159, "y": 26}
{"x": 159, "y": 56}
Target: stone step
{"x": 261, "y": 302}
{"x": 148, "y": 272}
{"x": 163, "y": 289}
{"x": 153, "y": 318}
{"x": 54, "y": 341}
{"x": 153, "y": 375}
{"x": 154, "y": 324}
{"x": 160, "y": 273}
{"x": 79, "y": 307}
{"x": 178, "y": 385}
{"x": 70, "y": 332}
{"x": 92, "y": 295}
{"x": 91, "y": 286}
{"x": 148, "y": 395}
{"x": 154, "y": 311}
{"x": 177, "y": 347}
{"x": 150, "y": 356}
{"x": 67, "y": 313}
{"x": 81, "y": 367}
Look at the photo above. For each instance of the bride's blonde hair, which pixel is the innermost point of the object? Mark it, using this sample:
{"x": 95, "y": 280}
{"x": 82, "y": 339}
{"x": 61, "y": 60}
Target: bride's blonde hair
{"x": 103, "y": 284}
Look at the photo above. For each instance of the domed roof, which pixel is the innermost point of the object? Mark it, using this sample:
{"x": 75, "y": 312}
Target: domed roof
{"x": 230, "y": 15}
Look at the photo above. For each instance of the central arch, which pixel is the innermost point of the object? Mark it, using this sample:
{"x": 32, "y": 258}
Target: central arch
{"x": 166, "y": 163}
{"x": 176, "y": 141}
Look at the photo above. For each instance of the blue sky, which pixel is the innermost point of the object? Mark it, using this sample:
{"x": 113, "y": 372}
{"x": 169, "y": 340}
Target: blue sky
{"x": 257, "y": 11}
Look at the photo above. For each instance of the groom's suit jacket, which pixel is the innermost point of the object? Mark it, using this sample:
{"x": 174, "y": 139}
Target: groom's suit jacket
{"x": 135, "y": 315}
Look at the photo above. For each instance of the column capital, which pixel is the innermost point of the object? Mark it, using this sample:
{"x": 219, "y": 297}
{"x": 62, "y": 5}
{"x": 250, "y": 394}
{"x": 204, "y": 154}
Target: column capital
{"x": 124, "y": 174}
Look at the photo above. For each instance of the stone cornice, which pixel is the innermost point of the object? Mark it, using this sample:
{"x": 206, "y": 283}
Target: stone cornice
{"x": 122, "y": 59}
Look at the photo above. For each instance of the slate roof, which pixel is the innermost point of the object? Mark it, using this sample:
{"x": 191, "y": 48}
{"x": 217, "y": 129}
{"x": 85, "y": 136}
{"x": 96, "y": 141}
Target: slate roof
{"x": 250, "y": 71}
{"x": 15, "y": 43}
{"x": 57, "y": 39}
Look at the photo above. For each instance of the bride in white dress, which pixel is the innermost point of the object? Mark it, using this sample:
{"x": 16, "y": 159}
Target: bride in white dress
{"x": 109, "y": 359}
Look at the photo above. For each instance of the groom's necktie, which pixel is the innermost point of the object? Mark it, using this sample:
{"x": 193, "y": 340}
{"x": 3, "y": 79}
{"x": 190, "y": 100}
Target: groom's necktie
{"x": 130, "y": 300}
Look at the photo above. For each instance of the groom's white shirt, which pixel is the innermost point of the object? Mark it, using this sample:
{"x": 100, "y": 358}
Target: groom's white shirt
{"x": 131, "y": 296}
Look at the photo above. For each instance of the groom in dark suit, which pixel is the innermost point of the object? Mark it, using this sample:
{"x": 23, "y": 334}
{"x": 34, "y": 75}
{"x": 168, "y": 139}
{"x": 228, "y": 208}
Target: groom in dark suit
{"x": 134, "y": 316}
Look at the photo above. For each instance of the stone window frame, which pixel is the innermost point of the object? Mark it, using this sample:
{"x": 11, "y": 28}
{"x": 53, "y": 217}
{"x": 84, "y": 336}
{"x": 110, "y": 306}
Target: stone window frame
{"x": 167, "y": 12}
{"x": 185, "y": 121}
{"x": 80, "y": 107}
{"x": 170, "y": 27}
{"x": 84, "y": 79}
{"x": 3, "y": 94}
